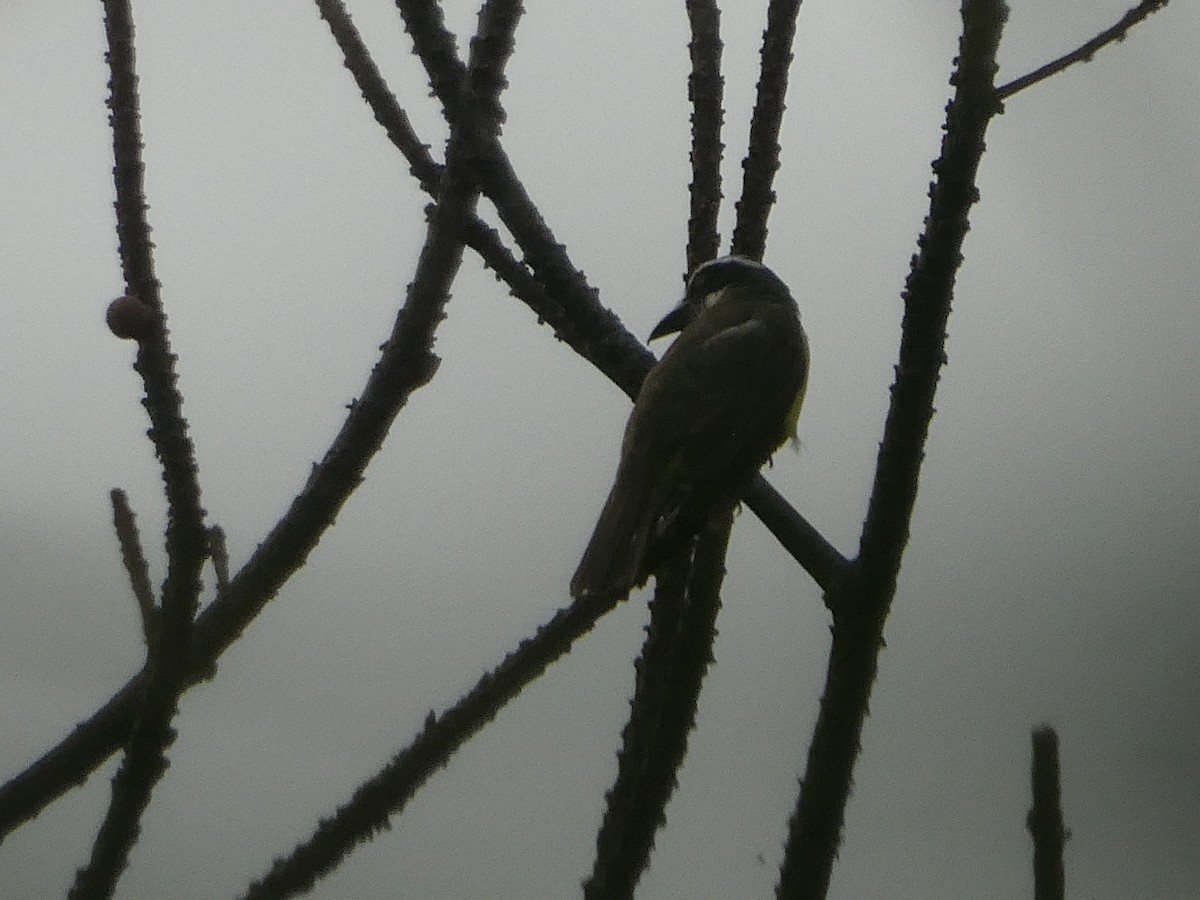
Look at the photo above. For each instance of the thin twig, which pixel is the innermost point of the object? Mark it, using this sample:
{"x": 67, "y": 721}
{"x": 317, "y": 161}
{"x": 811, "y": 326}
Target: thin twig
{"x": 1045, "y": 820}
{"x": 135, "y": 563}
{"x": 862, "y": 598}
{"x": 379, "y": 98}
{"x": 219, "y": 554}
{"x": 1086, "y": 51}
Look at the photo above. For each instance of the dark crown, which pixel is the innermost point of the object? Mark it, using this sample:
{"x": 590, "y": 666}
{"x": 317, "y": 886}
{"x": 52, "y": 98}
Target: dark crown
{"x": 718, "y": 273}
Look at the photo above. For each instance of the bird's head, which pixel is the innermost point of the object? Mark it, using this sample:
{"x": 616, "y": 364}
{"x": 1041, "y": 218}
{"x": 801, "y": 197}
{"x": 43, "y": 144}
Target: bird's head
{"x": 712, "y": 281}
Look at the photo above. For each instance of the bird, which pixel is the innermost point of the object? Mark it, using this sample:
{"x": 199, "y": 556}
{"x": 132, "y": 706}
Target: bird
{"x": 723, "y": 398}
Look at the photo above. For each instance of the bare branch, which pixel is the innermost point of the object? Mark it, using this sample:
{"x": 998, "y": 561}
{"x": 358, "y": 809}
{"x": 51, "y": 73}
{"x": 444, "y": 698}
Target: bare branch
{"x": 573, "y": 311}
{"x": 387, "y": 793}
{"x": 762, "y": 156}
{"x": 1045, "y": 820}
{"x": 593, "y": 331}
{"x": 862, "y": 598}
{"x": 134, "y": 560}
{"x": 145, "y": 759}
{"x": 379, "y": 98}
{"x": 705, "y": 91}
{"x": 219, "y": 553}
{"x": 1086, "y": 51}
{"x": 155, "y": 361}
{"x": 476, "y": 114}
{"x": 670, "y": 672}
{"x": 795, "y": 534}
{"x": 561, "y": 297}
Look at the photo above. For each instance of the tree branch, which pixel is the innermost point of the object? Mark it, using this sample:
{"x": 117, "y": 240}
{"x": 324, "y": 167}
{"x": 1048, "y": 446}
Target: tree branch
{"x": 579, "y": 319}
{"x": 135, "y": 564}
{"x": 669, "y": 674}
{"x": 557, "y": 293}
{"x": 1086, "y": 51}
{"x": 762, "y": 156}
{"x": 862, "y": 598}
{"x": 145, "y": 759}
{"x": 705, "y": 91}
{"x": 477, "y": 113}
{"x": 1045, "y": 820}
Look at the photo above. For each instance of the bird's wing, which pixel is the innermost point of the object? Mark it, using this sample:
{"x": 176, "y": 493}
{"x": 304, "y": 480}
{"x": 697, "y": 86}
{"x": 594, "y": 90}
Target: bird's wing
{"x": 712, "y": 388}
{"x": 730, "y": 345}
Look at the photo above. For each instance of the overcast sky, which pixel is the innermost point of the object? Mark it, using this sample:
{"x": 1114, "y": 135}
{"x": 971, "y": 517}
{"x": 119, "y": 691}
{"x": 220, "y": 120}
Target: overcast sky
{"x": 1053, "y": 571}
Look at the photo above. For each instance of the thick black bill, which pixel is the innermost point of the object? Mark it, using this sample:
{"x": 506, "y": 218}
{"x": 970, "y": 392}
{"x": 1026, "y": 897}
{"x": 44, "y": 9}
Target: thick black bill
{"x": 674, "y": 321}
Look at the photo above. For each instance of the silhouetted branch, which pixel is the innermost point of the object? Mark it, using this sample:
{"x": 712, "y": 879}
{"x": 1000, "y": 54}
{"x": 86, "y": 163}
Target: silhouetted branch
{"x": 561, "y": 297}
{"x": 479, "y": 236}
{"x": 1045, "y": 820}
{"x": 682, "y": 629}
{"x": 861, "y": 600}
{"x": 145, "y": 759}
{"x": 477, "y": 113}
{"x": 655, "y": 737}
{"x": 388, "y": 113}
{"x": 670, "y": 672}
{"x": 1086, "y": 51}
{"x": 387, "y": 793}
{"x": 594, "y": 331}
{"x": 762, "y": 156}
{"x": 185, "y": 542}
{"x": 817, "y": 556}
{"x": 379, "y": 98}
{"x": 405, "y": 364}
{"x": 218, "y": 552}
{"x": 705, "y": 89}
{"x": 135, "y": 564}
{"x": 582, "y": 322}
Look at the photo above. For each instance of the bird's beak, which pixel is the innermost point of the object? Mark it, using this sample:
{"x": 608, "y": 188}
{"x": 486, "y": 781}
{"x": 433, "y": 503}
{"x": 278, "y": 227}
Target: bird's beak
{"x": 675, "y": 320}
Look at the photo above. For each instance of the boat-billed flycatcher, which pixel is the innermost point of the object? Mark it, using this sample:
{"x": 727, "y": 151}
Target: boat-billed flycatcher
{"x": 722, "y": 399}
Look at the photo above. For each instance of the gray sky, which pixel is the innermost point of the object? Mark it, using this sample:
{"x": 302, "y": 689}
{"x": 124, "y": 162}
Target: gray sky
{"x": 1053, "y": 569}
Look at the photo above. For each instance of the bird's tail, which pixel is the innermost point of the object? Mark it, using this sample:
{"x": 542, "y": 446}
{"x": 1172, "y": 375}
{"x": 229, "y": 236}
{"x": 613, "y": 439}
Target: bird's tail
{"x": 612, "y": 563}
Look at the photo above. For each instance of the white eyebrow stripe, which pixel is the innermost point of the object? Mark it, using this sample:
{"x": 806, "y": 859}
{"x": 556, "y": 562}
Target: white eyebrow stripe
{"x": 715, "y": 297}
